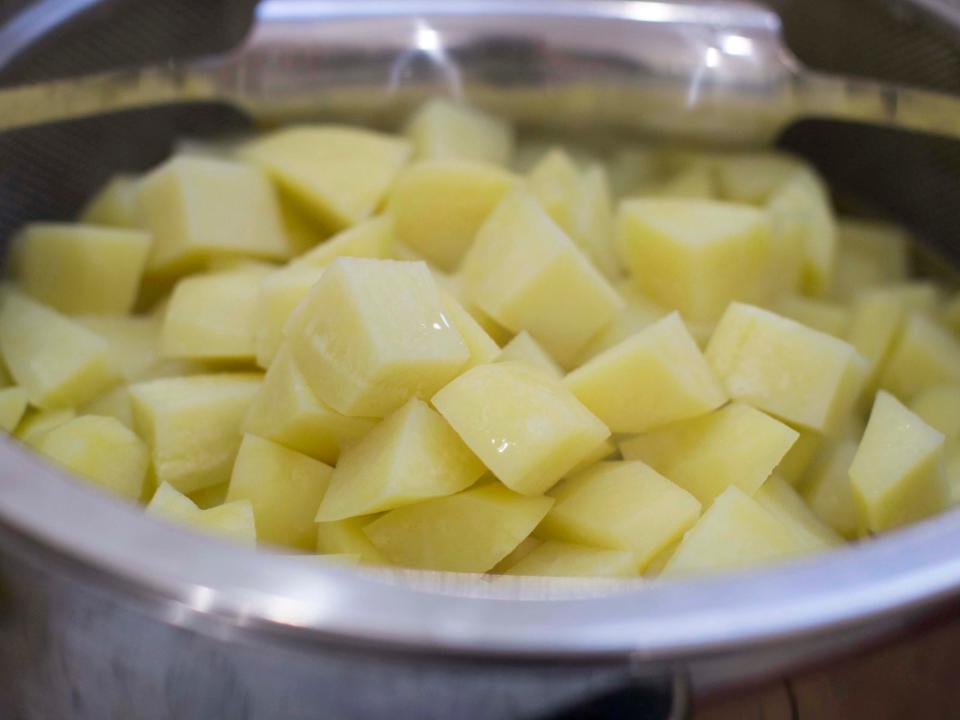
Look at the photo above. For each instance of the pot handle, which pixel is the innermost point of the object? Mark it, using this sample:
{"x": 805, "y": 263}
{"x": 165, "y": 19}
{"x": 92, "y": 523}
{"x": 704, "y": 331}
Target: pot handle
{"x": 646, "y": 699}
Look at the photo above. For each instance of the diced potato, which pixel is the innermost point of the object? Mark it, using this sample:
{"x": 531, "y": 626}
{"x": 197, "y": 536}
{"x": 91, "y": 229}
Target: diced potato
{"x": 800, "y": 209}
{"x": 779, "y": 498}
{"x": 555, "y": 183}
{"x": 800, "y": 456}
{"x": 695, "y": 255}
{"x": 827, "y": 317}
{"x": 211, "y": 497}
{"x": 371, "y": 334}
{"x": 115, "y": 403}
{"x": 101, "y": 450}
{"x": 280, "y": 293}
{"x": 468, "y": 532}
{"x": 13, "y": 405}
{"x": 875, "y": 319}
{"x": 213, "y": 317}
{"x": 80, "y": 269}
{"x": 656, "y": 377}
{"x": 438, "y": 206}
{"x": 523, "y": 348}
{"x": 412, "y": 455}
{"x": 453, "y": 284}
{"x": 754, "y": 177}
{"x": 736, "y": 445}
{"x": 785, "y": 368}
{"x": 828, "y": 491}
{"x": 286, "y": 411}
{"x": 302, "y": 228}
{"x": 869, "y": 254}
{"x": 133, "y": 340}
{"x": 638, "y": 313}
{"x": 441, "y": 129}
{"x": 939, "y": 407}
{"x": 196, "y": 208}
{"x": 233, "y": 521}
{"x": 526, "y": 428}
{"x": 56, "y": 360}
{"x": 527, "y": 274}
{"x": 284, "y": 488}
{"x": 897, "y": 474}
{"x": 735, "y": 533}
{"x": 35, "y": 424}
{"x": 692, "y": 182}
{"x": 924, "y": 355}
{"x": 607, "y": 450}
{"x": 623, "y": 506}
{"x": 115, "y": 204}
{"x": 341, "y": 174}
{"x": 347, "y": 537}
{"x": 660, "y": 560}
{"x": 526, "y": 547}
{"x": 557, "y": 559}
{"x": 371, "y": 238}
{"x": 192, "y": 425}
{"x": 481, "y": 346}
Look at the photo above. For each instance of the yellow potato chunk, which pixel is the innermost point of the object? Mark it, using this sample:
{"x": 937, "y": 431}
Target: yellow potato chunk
{"x": 607, "y": 450}
{"x": 524, "y": 349}
{"x": 371, "y": 334}
{"x": 828, "y": 491}
{"x": 453, "y": 284}
{"x": 115, "y": 403}
{"x": 656, "y": 377}
{"x": 284, "y": 488}
{"x": 827, "y": 317}
{"x": 192, "y": 425}
{"x": 557, "y": 559}
{"x": 115, "y": 204}
{"x": 438, "y": 206}
{"x": 80, "y": 269}
{"x": 480, "y": 345}
{"x": 869, "y": 254}
{"x": 210, "y": 497}
{"x": 371, "y": 238}
{"x": 133, "y": 341}
{"x": 35, "y": 424}
{"x": 346, "y": 537}
{"x": 56, "y": 360}
{"x": 939, "y": 407}
{"x": 444, "y": 130}
{"x": 468, "y": 532}
{"x": 785, "y": 368}
{"x": 695, "y": 255}
{"x": 286, "y": 411}
{"x": 638, "y": 313}
{"x": 897, "y": 474}
{"x": 340, "y": 174}
{"x": 232, "y": 521}
{"x": 779, "y": 498}
{"x": 280, "y": 293}
{"x": 623, "y": 506}
{"x": 527, "y": 274}
{"x": 735, "y": 533}
{"x": 101, "y": 450}
{"x": 13, "y": 405}
{"x": 213, "y": 317}
{"x": 526, "y": 428}
{"x": 800, "y": 456}
{"x": 753, "y": 177}
{"x": 411, "y": 456}
{"x": 197, "y": 208}
{"x": 925, "y": 354}
{"x": 736, "y": 445}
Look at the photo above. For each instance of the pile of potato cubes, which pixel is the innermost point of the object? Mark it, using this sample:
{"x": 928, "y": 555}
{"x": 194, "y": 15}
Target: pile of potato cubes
{"x": 447, "y": 350}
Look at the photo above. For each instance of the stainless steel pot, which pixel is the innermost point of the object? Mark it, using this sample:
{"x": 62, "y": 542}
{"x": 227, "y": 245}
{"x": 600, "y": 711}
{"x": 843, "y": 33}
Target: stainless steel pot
{"x": 105, "y": 613}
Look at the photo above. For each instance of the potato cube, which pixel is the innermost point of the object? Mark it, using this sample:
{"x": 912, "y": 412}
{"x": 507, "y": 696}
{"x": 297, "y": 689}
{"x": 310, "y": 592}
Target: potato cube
{"x": 453, "y": 284}
{"x": 828, "y": 491}
{"x": 13, "y": 405}
{"x": 197, "y": 208}
{"x": 526, "y": 547}
{"x": 286, "y": 411}
{"x": 371, "y": 334}
{"x": 101, "y": 450}
{"x": 133, "y": 340}
{"x": 233, "y": 521}
{"x": 607, "y": 450}
{"x": 35, "y": 424}
{"x": 280, "y": 293}
{"x": 527, "y": 274}
{"x": 371, "y": 238}
{"x": 736, "y": 445}
{"x": 468, "y": 532}
{"x": 558, "y": 559}
{"x": 443, "y": 130}
{"x": 785, "y": 368}
{"x": 213, "y": 317}
{"x": 827, "y": 317}
{"x": 192, "y": 425}
{"x": 56, "y": 360}
{"x": 754, "y": 177}
{"x": 81, "y": 268}
{"x": 869, "y": 254}
{"x": 115, "y": 204}
{"x": 284, "y": 488}
{"x": 115, "y": 403}
{"x": 656, "y": 377}
{"x": 783, "y": 502}
{"x": 638, "y": 313}
{"x": 210, "y": 497}
{"x": 897, "y": 474}
{"x": 925, "y": 354}
{"x": 340, "y": 174}
{"x": 695, "y": 255}
{"x": 524, "y": 349}
{"x": 800, "y": 456}
{"x": 735, "y": 533}
{"x": 939, "y": 407}
{"x": 346, "y": 537}
{"x": 438, "y": 206}
{"x": 555, "y": 183}
{"x": 527, "y": 429}
{"x": 623, "y": 506}
{"x": 411, "y": 456}
{"x": 480, "y": 345}
{"x": 303, "y": 229}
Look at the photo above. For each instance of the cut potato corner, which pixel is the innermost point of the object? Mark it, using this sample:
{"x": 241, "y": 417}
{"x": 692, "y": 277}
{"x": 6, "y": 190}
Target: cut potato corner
{"x": 279, "y": 295}
{"x": 524, "y": 349}
{"x": 13, "y": 406}
{"x": 480, "y": 345}
{"x": 346, "y": 537}
{"x": 779, "y": 498}
{"x": 557, "y": 559}
{"x": 827, "y": 489}
{"x": 232, "y": 521}
{"x": 468, "y": 532}
{"x": 923, "y": 356}
{"x": 453, "y": 284}
{"x": 442, "y": 129}
{"x": 115, "y": 204}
